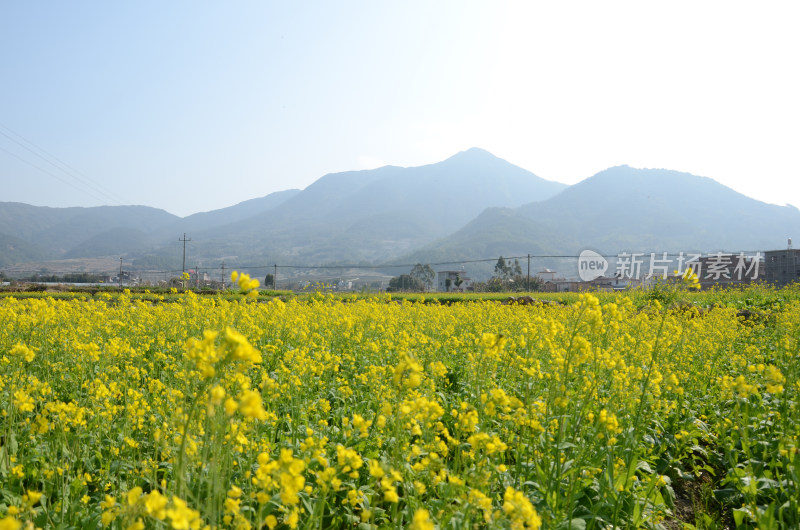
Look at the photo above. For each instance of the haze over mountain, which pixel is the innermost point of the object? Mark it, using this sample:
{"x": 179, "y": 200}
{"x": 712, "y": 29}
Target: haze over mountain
{"x": 625, "y": 209}
{"x": 472, "y": 205}
{"x": 378, "y": 214}
{"x": 32, "y": 233}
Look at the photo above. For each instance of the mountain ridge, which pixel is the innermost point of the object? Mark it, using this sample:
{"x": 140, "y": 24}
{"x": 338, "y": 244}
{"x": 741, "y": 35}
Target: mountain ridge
{"x": 647, "y": 210}
{"x": 472, "y": 204}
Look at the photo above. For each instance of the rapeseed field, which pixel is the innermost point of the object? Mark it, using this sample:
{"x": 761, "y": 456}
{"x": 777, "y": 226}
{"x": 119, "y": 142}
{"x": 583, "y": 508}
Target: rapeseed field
{"x": 204, "y": 412}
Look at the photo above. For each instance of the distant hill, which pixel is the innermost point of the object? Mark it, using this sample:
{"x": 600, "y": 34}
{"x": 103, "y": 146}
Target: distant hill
{"x": 118, "y": 241}
{"x": 659, "y": 209}
{"x": 495, "y": 232}
{"x": 36, "y": 233}
{"x": 626, "y": 209}
{"x": 15, "y": 250}
{"x": 471, "y": 205}
{"x": 231, "y": 214}
{"x": 376, "y": 215}
{"x": 55, "y": 232}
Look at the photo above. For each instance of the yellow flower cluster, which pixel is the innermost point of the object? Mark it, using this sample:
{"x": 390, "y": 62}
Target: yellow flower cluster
{"x": 246, "y": 284}
{"x": 198, "y": 412}
{"x": 689, "y": 278}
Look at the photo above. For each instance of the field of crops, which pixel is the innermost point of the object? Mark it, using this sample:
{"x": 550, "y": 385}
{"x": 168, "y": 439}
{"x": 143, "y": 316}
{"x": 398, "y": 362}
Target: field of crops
{"x": 609, "y": 412}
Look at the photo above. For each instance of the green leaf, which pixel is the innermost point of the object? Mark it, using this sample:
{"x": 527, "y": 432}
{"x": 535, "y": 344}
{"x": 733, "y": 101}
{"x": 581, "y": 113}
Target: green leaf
{"x": 738, "y": 516}
{"x": 574, "y": 524}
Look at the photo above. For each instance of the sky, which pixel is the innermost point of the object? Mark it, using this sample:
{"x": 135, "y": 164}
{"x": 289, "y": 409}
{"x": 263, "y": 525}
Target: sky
{"x": 191, "y": 106}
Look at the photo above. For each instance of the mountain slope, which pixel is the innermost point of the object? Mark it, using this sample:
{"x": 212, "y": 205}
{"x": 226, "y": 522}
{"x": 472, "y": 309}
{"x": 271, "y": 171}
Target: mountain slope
{"x": 378, "y": 214}
{"x": 55, "y": 231}
{"x": 626, "y": 209}
{"x": 231, "y": 214}
{"x": 472, "y": 205}
{"x": 663, "y": 210}
{"x": 33, "y": 233}
{"x": 119, "y": 241}
{"x": 495, "y": 232}
{"x": 15, "y": 250}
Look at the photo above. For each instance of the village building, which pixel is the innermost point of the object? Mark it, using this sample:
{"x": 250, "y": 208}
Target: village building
{"x": 726, "y": 270}
{"x": 452, "y": 281}
{"x": 782, "y": 267}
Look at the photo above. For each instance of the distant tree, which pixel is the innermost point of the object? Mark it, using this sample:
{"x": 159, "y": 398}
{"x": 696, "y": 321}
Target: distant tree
{"x": 458, "y": 281}
{"x": 517, "y": 271}
{"x": 424, "y": 274}
{"x": 405, "y": 282}
{"x": 509, "y": 284}
{"x": 492, "y": 285}
{"x": 269, "y": 281}
{"x": 501, "y": 268}
{"x": 447, "y": 283}
{"x": 535, "y": 284}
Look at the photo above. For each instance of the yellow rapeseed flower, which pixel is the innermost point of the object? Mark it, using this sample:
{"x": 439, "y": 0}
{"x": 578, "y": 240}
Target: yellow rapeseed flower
{"x": 421, "y": 520}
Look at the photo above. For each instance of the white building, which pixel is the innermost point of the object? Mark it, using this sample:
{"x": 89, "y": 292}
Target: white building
{"x": 546, "y": 275}
{"x": 452, "y": 281}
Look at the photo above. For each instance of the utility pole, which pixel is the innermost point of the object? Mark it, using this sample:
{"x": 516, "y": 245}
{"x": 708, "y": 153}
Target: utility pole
{"x": 197, "y": 271}
{"x": 528, "y": 285}
{"x": 275, "y": 278}
{"x": 184, "y": 250}
{"x": 223, "y": 275}
{"x": 183, "y": 270}
{"x": 119, "y": 278}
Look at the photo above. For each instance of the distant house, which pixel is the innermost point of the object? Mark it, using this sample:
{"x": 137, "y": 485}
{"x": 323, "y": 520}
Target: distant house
{"x": 126, "y": 278}
{"x": 782, "y": 267}
{"x": 601, "y": 283}
{"x": 546, "y": 275}
{"x": 344, "y": 285}
{"x": 563, "y": 286}
{"x": 726, "y": 270}
{"x": 199, "y": 278}
{"x": 615, "y": 283}
{"x": 452, "y": 281}
{"x": 552, "y": 283}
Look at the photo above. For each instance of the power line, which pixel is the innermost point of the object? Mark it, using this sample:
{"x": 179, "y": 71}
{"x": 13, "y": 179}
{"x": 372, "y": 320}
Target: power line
{"x": 91, "y": 187}
{"x": 468, "y": 261}
{"x": 46, "y": 172}
{"x": 12, "y": 269}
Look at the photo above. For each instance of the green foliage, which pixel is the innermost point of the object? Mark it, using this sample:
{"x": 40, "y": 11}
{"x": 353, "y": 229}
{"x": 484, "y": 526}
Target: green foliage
{"x": 501, "y": 268}
{"x": 512, "y": 284}
{"x": 424, "y": 274}
{"x": 406, "y": 282}
{"x": 75, "y": 277}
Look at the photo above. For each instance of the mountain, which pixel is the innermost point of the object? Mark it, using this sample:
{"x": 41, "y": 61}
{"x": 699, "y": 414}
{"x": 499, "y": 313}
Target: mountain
{"x": 118, "y": 241}
{"x": 35, "y": 233}
{"x": 663, "y": 210}
{"x": 15, "y": 250}
{"x": 626, "y": 209}
{"x": 495, "y": 232}
{"x": 231, "y": 214}
{"x": 53, "y": 233}
{"x": 471, "y": 205}
{"x": 376, "y": 215}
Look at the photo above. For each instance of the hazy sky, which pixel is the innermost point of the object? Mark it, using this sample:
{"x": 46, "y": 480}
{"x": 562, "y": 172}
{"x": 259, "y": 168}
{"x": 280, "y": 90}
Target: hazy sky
{"x": 192, "y": 106}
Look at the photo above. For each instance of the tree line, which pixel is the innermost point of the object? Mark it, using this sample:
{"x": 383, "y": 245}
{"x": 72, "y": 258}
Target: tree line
{"x": 508, "y": 277}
